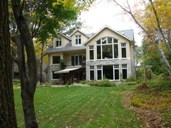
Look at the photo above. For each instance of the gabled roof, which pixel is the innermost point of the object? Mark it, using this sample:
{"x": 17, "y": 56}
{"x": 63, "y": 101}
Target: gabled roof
{"x": 79, "y": 32}
{"x": 64, "y": 36}
{"x": 127, "y": 35}
{"x": 67, "y": 48}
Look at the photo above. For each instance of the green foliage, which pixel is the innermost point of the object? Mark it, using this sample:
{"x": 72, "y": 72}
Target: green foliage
{"x": 62, "y": 64}
{"x": 102, "y": 83}
{"x": 55, "y": 82}
{"x": 136, "y": 102}
{"x": 131, "y": 78}
{"x": 160, "y": 85}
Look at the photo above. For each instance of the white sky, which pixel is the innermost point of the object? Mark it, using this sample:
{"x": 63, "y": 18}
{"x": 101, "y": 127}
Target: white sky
{"x": 106, "y": 13}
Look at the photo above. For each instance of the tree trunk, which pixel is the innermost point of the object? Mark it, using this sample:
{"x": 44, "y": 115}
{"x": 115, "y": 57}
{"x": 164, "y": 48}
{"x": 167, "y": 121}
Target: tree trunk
{"x": 41, "y": 63}
{"x": 7, "y": 109}
{"x": 28, "y": 77}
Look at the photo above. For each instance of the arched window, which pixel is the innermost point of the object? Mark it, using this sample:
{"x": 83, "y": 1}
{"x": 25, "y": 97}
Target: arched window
{"x": 107, "y": 48}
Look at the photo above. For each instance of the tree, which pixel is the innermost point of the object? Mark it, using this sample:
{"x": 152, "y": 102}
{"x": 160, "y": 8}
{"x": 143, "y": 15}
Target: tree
{"x": 7, "y": 109}
{"x": 36, "y": 19}
{"x": 157, "y": 31}
{"x": 46, "y": 18}
{"x": 28, "y": 80}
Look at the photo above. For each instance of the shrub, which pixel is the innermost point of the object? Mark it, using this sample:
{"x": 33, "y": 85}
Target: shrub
{"x": 131, "y": 78}
{"x": 136, "y": 102}
{"x": 56, "y": 82}
{"x": 102, "y": 83}
{"x": 131, "y": 83}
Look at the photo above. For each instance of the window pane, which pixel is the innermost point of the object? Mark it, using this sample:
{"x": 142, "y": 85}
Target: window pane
{"x": 78, "y": 39}
{"x": 124, "y": 73}
{"x": 56, "y": 59}
{"x": 91, "y": 75}
{"x": 123, "y": 52}
{"x": 124, "y": 65}
{"x": 99, "y": 74}
{"x": 99, "y": 42}
{"x": 108, "y": 72}
{"x": 98, "y": 52}
{"x": 91, "y": 67}
{"x": 115, "y": 50}
{"x": 80, "y": 60}
{"x": 76, "y": 60}
{"x": 104, "y": 40}
{"x": 115, "y": 41}
{"x": 123, "y": 45}
{"x": 116, "y": 74}
{"x": 58, "y": 42}
{"x": 91, "y": 55}
{"x": 109, "y": 40}
{"x": 99, "y": 67}
{"x": 72, "y": 61}
{"x": 107, "y": 51}
{"x": 91, "y": 47}
{"x": 116, "y": 66}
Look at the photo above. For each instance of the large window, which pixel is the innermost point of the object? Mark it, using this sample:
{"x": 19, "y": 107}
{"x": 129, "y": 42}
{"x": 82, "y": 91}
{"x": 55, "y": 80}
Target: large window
{"x": 107, "y": 48}
{"x": 111, "y": 72}
{"x": 58, "y": 42}
{"x": 91, "y": 52}
{"x": 55, "y": 59}
{"x": 91, "y": 72}
{"x": 78, "y": 39}
{"x": 108, "y": 72}
{"x": 77, "y": 60}
{"x": 124, "y": 71}
{"x": 123, "y": 49}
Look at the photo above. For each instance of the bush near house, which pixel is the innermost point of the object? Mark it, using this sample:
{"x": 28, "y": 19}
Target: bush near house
{"x": 102, "y": 83}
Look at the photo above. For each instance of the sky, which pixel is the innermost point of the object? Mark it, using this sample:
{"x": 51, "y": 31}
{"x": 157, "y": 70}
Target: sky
{"x": 105, "y": 13}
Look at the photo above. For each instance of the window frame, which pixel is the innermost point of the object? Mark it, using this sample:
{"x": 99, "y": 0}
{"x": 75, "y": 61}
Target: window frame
{"x": 124, "y": 67}
{"x": 124, "y": 47}
{"x": 78, "y": 39}
{"x": 58, "y": 42}
{"x": 91, "y": 50}
{"x": 99, "y": 68}
{"x": 57, "y": 61}
{"x": 106, "y": 41}
{"x": 92, "y": 70}
{"x": 116, "y": 68}
{"x": 77, "y": 60}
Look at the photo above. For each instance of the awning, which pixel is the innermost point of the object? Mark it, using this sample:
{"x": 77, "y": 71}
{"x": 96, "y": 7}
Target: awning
{"x": 67, "y": 70}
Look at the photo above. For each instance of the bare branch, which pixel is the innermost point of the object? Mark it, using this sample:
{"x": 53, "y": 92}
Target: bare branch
{"x": 132, "y": 15}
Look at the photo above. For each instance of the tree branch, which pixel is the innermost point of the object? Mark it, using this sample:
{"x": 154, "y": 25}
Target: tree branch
{"x": 132, "y": 15}
{"x": 159, "y": 26}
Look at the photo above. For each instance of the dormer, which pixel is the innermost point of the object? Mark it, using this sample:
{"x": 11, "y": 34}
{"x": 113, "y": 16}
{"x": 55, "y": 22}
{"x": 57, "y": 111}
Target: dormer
{"x": 60, "y": 41}
{"x": 78, "y": 38}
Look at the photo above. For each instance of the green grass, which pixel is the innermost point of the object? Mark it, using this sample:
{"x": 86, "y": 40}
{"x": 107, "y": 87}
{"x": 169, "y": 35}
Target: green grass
{"x": 80, "y": 107}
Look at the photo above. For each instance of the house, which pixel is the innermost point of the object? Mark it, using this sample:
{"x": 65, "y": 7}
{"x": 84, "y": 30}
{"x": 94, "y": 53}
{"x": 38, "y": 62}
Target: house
{"x": 107, "y": 54}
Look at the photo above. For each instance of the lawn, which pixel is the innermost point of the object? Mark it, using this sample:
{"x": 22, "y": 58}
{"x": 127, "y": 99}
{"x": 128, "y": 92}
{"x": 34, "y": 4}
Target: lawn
{"x": 80, "y": 107}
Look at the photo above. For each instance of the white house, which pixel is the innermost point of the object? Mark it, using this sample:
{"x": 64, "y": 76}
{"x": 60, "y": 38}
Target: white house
{"x": 107, "y": 54}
